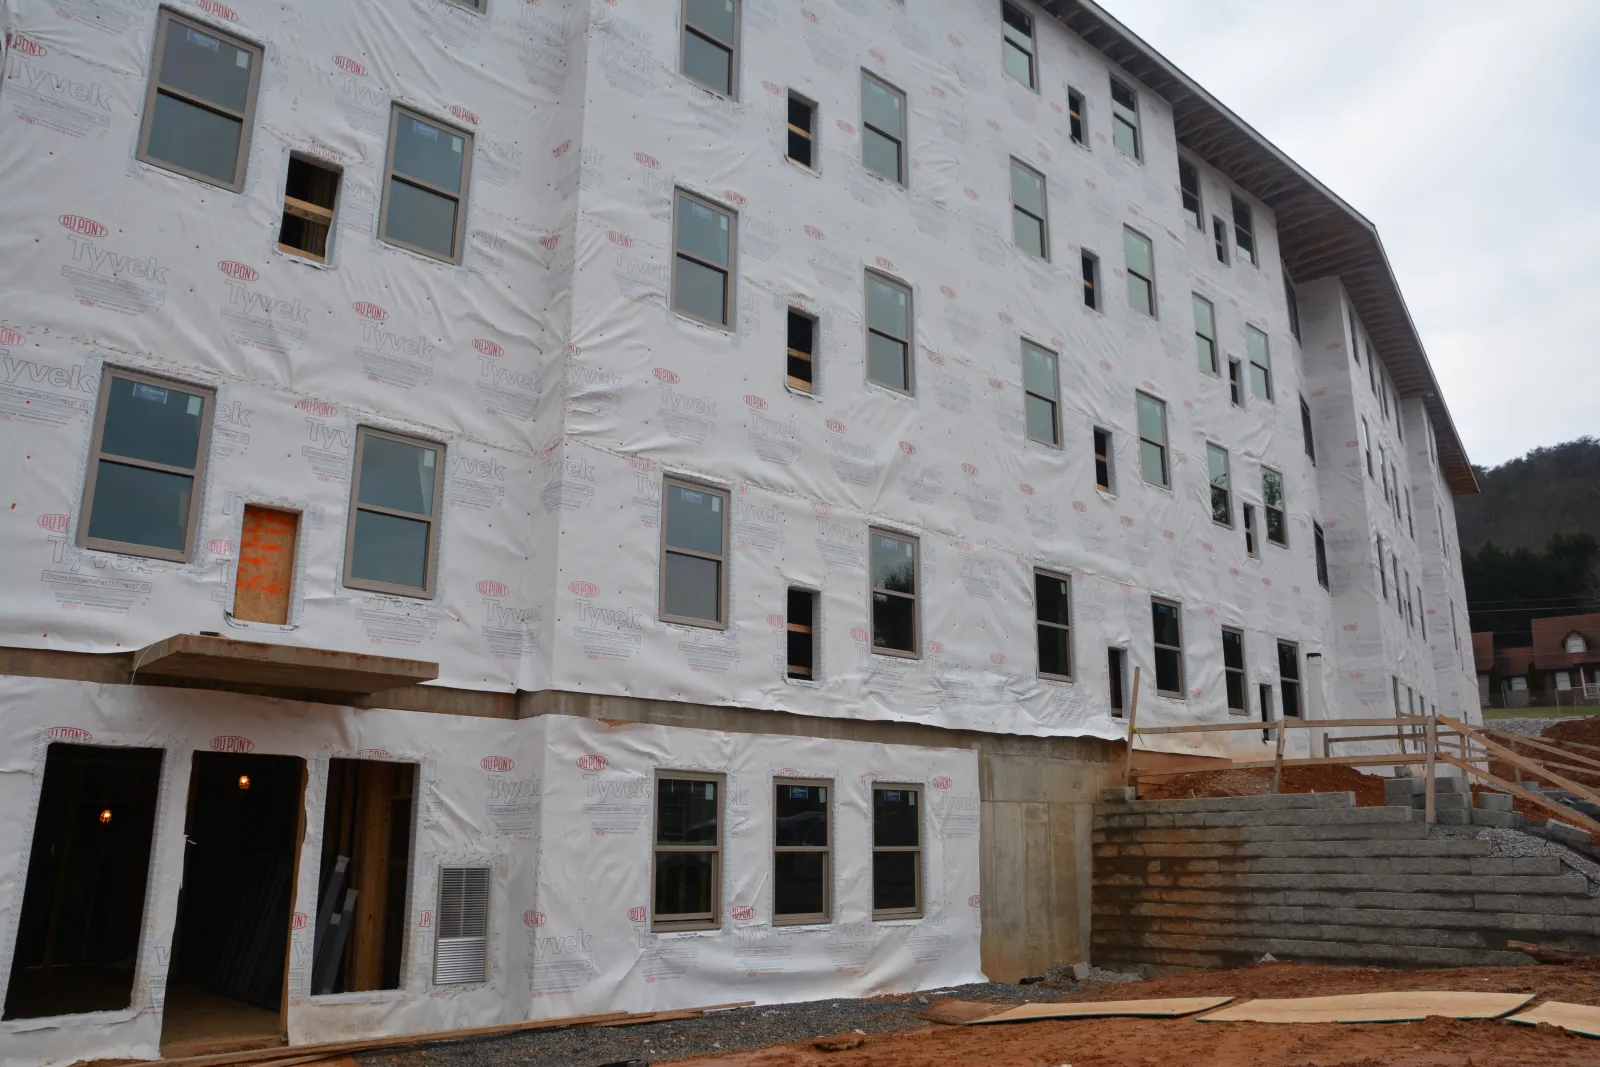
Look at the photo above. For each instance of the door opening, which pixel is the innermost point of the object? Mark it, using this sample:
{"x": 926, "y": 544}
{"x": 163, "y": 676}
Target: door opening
{"x": 83, "y": 904}
{"x": 227, "y": 983}
{"x": 1116, "y": 664}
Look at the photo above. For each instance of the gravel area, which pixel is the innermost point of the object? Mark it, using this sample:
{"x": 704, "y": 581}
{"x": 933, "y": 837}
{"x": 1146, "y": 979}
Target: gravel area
{"x": 1517, "y": 843}
{"x": 1525, "y": 727}
{"x": 718, "y": 1032}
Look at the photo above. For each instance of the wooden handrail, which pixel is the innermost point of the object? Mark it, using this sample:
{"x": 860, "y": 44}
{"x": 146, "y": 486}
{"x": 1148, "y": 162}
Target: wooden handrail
{"x": 1287, "y": 724}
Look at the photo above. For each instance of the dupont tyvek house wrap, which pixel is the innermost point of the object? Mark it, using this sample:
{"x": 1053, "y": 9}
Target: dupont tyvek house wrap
{"x": 564, "y": 388}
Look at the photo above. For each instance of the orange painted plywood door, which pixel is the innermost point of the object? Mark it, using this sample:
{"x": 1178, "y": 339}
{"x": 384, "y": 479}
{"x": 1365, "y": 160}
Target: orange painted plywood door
{"x": 265, "y": 570}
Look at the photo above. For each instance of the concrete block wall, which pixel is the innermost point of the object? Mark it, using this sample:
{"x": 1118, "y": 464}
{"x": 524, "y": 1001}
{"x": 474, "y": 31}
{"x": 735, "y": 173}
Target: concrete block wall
{"x": 1190, "y": 884}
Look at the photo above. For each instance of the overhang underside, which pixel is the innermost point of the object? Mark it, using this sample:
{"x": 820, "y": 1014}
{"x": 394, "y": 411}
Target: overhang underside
{"x": 1319, "y": 235}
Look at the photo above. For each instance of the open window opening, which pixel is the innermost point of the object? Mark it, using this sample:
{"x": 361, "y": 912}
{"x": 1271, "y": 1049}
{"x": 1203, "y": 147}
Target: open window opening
{"x": 802, "y": 373}
{"x": 83, "y": 903}
{"x": 802, "y": 131}
{"x": 802, "y": 635}
{"x": 1116, "y": 674}
{"x": 1235, "y": 388}
{"x": 309, "y": 197}
{"x": 365, "y": 872}
{"x": 1103, "y": 472}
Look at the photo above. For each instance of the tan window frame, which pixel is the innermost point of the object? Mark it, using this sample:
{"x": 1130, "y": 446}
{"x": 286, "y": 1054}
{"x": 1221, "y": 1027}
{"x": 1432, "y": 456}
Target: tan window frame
{"x": 695, "y": 920}
{"x": 1054, "y": 401}
{"x": 899, "y": 139}
{"x": 914, "y": 596}
{"x": 729, "y": 273}
{"x": 908, "y": 340}
{"x": 389, "y": 177}
{"x": 801, "y": 918}
{"x": 901, "y": 913}
{"x": 208, "y": 398}
{"x": 721, "y": 622}
{"x": 431, "y": 564}
{"x": 246, "y": 117}
{"x": 1177, "y": 648}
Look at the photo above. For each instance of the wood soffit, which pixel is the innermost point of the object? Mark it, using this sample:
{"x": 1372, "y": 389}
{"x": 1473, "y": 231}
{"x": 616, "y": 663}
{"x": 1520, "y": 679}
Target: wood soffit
{"x": 1319, "y": 235}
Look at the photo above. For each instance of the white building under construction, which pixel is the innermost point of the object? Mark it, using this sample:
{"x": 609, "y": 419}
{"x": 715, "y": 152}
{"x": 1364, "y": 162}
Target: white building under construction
{"x": 518, "y": 509}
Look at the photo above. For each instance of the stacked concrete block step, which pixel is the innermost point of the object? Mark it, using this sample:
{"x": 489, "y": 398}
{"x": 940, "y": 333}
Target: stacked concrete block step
{"x": 1219, "y": 882}
{"x": 1455, "y": 805}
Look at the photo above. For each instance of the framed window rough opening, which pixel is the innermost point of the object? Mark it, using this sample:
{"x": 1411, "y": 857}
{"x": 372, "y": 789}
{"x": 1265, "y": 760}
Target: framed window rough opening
{"x": 426, "y": 177}
{"x": 200, "y": 104}
{"x": 1041, "y": 395}
{"x": 802, "y": 869}
{"x": 1167, "y": 642}
{"x": 889, "y": 332}
{"x": 391, "y": 545}
{"x": 883, "y": 129}
{"x": 896, "y": 852}
{"x": 694, "y": 561}
{"x": 704, "y": 247}
{"x": 686, "y": 882}
{"x": 893, "y": 559}
{"x": 710, "y": 52}
{"x": 1052, "y": 606}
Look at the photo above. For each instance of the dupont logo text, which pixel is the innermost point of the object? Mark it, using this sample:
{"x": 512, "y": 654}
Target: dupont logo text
{"x": 533, "y": 918}
{"x": 232, "y": 743}
{"x": 463, "y": 114}
{"x": 322, "y": 409}
{"x": 25, "y": 47}
{"x": 55, "y": 523}
{"x": 487, "y": 347}
{"x": 583, "y": 589}
{"x": 638, "y": 915}
{"x": 368, "y": 310}
{"x": 220, "y": 548}
{"x": 10, "y": 338}
{"x": 665, "y": 375}
{"x": 238, "y": 270}
{"x": 942, "y": 782}
{"x": 68, "y": 733}
{"x": 79, "y": 224}
{"x": 497, "y": 764}
{"x": 742, "y": 912}
{"x": 221, "y": 11}
{"x": 489, "y": 587}
{"x": 592, "y": 762}
{"x": 350, "y": 66}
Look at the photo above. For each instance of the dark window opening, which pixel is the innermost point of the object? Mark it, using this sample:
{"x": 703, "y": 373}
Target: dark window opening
{"x": 1305, "y": 431}
{"x": 802, "y": 636}
{"x": 800, "y": 852}
{"x": 1116, "y": 660}
{"x": 1321, "y": 543}
{"x": 802, "y": 125}
{"x": 1289, "y": 678}
{"x": 802, "y": 351}
{"x": 1168, "y": 647}
{"x": 1249, "y": 512}
{"x": 1219, "y": 238}
{"x": 309, "y": 195}
{"x": 1052, "y": 599}
{"x": 1189, "y": 189}
{"x": 1293, "y": 304}
{"x": 1075, "y": 116}
{"x": 1091, "y": 280}
{"x": 896, "y": 853}
{"x": 1233, "y": 669}
{"x": 1235, "y": 387}
{"x": 1102, "y": 459}
{"x": 1244, "y": 237}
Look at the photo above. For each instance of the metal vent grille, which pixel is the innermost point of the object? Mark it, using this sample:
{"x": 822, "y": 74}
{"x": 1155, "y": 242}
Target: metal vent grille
{"x": 461, "y": 924}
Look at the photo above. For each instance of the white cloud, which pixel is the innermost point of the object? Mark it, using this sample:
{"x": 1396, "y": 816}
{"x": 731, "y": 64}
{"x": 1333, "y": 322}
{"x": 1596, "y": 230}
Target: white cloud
{"x": 1466, "y": 132}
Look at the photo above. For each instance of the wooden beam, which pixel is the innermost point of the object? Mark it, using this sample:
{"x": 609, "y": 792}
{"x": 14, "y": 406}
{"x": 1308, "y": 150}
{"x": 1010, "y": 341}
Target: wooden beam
{"x": 1566, "y": 813}
{"x": 370, "y": 876}
{"x": 1133, "y": 713}
{"x": 1497, "y": 749}
{"x": 1287, "y": 724}
{"x": 1520, "y": 739}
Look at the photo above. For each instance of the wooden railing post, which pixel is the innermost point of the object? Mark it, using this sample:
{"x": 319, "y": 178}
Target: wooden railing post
{"x": 1277, "y": 761}
{"x": 1133, "y": 713}
{"x": 1433, "y": 749}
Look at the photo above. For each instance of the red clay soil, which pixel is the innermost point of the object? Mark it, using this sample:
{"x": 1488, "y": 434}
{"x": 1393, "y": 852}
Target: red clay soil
{"x": 1434, "y": 1042}
{"x": 1584, "y": 729}
{"x": 1368, "y": 788}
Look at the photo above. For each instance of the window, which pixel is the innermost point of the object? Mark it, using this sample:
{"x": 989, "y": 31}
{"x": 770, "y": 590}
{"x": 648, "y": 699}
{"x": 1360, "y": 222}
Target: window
{"x": 1091, "y": 281}
{"x": 425, "y": 186}
{"x": 1366, "y": 446}
{"x": 1321, "y": 543}
{"x": 1141, "y": 271}
{"x": 888, "y": 333}
{"x": 1040, "y": 394}
{"x": 883, "y": 129}
{"x": 1125, "y": 120}
{"x": 472, "y": 5}
{"x": 391, "y": 543}
{"x": 801, "y": 873}
{"x": 1205, "y": 333}
{"x": 1383, "y": 575}
{"x": 1272, "y": 504}
{"x": 1075, "y": 117}
{"x": 1292, "y": 303}
{"x": 802, "y": 130}
{"x": 1411, "y": 522}
{"x": 694, "y": 583}
{"x": 1289, "y": 678}
{"x": 1399, "y": 417}
{"x": 1103, "y": 471}
{"x": 1255, "y": 343}
{"x": 896, "y": 852}
{"x": 1439, "y": 513}
{"x": 688, "y": 851}
{"x": 1244, "y": 236}
{"x": 802, "y": 635}
{"x": 1152, "y": 439}
{"x": 1305, "y": 431}
{"x": 1018, "y": 42}
{"x": 702, "y": 261}
{"x": 1219, "y": 239}
{"x": 894, "y": 594}
{"x": 1116, "y": 677}
{"x": 1164, "y": 616}
{"x": 461, "y": 927}
{"x": 147, "y": 460}
{"x": 1221, "y": 496}
{"x": 1383, "y": 470}
{"x": 1575, "y": 642}
{"x": 1372, "y": 370}
{"x": 1233, "y": 670}
{"x": 1394, "y": 565}
{"x": 1355, "y": 336}
{"x": 1248, "y": 513}
{"x": 1422, "y": 614}
{"x": 1052, "y": 602}
{"x": 201, "y": 102}
{"x": 1189, "y": 190}
{"x": 1028, "y": 212}
{"x": 710, "y": 43}
{"x": 1235, "y": 383}
{"x": 309, "y": 195}
{"x": 802, "y": 350}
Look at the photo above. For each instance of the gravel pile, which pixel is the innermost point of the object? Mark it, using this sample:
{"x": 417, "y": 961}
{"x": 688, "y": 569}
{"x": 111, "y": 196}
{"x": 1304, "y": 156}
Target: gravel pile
{"x": 1525, "y": 727}
{"x": 713, "y": 1034}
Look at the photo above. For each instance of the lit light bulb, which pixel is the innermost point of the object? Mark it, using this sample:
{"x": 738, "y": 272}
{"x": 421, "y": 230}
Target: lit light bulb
{"x": 105, "y": 815}
{"x": 244, "y": 781}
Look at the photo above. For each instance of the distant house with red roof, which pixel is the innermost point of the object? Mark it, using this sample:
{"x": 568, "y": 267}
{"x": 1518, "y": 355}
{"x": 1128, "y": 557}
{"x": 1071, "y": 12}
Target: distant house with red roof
{"x": 1562, "y": 665}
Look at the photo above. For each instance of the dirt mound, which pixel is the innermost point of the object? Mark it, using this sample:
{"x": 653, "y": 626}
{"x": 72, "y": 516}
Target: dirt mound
{"x": 1585, "y": 730}
{"x": 1368, "y": 788}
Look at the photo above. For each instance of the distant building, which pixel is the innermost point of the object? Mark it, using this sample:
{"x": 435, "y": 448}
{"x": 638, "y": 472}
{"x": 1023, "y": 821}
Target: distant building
{"x": 1561, "y": 666}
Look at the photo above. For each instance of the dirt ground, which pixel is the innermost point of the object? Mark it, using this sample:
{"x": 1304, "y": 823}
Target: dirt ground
{"x": 1433, "y": 1042}
{"x": 1368, "y": 788}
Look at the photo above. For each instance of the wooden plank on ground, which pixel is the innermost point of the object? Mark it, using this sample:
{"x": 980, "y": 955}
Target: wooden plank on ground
{"x": 1397, "y": 1007}
{"x": 1579, "y": 1018}
{"x": 1157, "y": 1007}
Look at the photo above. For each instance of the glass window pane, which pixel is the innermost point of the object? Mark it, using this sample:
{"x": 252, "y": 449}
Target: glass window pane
{"x": 428, "y": 153}
{"x": 880, "y": 155}
{"x": 683, "y": 883}
{"x": 1206, "y": 353}
{"x": 1018, "y": 64}
{"x": 1276, "y": 528}
{"x": 389, "y": 549}
{"x": 206, "y": 66}
{"x": 1150, "y": 419}
{"x": 195, "y": 139}
{"x": 893, "y": 622}
{"x": 1051, "y": 597}
{"x": 1169, "y": 676}
{"x": 714, "y": 17}
{"x": 704, "y": 231}
{"x": 1138, "y": 252}
{"x": 1259, "y": 383}
{"x": 1027, "y": 189}
{"x": 421, "y": 219}
{"x": 894, "y": 881}
{"x": 887, "y": 307}
{"x": 1272, "y": 488}
{"x": 1041, "y": 418}
{"x": 1233, "y": 649}
{"x": 802, "y": 815}
{"x": 894, "y": 817}
{"x": 1164, "y": 617}
{"x": 1039, "y": 371}
{"x": 798, "y": 884}
{"x": 709, "y": 64}
{"x": 1256, "y": 342}
{"x": 700, "y": 291}
{"x": 1017, "y": 23}
{"x": 1217, "y": 464}
{"x": 1123, "y": 97}
{"x": 1124, "y": 137}
{"x": 688, "y": 812}
{"x": 1152, "y": 463}
{"x": 886, "y": 362}
{"x": 1139, "y": 294}
{"x": 1288, "y": 661}
{"x": 1221, "y": 510}
{"x": 1235, "y": 683}
{"x": 1028, "y": 232}
{"x": 396, "y": 475}
{"x": 694, "y": 519}
{"x": 691, "y": 587}
{"x": 1204, "y": 320}
{"x": 153, "y": 422}
{"x": 893, "y": 564}
{"x": 882, "y": 107}
{"x": 140, "y": 506}
{"x": 1055, "y": 655}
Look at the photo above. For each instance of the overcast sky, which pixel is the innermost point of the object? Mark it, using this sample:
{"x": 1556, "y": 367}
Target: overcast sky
{"x": 1469, "y": 133}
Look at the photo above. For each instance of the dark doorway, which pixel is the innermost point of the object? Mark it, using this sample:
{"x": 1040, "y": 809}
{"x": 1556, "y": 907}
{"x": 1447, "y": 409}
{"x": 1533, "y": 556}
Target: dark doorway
{"x": 366, "y": 864}
{"x": 1116, "y": 660}
{"x": 83, "y": 905}
{"x": 225, "y": 989}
